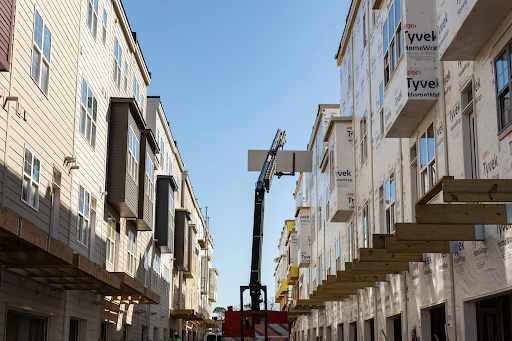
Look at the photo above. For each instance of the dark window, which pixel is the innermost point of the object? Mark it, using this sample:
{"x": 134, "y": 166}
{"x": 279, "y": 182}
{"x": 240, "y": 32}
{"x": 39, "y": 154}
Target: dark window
{"x": 437, "y": 324}
{"x": 494, "y": 319}
{"x": 397, "y": 328}
{"x": 73, "y": 330}
{"x": 503, "y": 69}
{"x": 18, "y": 324}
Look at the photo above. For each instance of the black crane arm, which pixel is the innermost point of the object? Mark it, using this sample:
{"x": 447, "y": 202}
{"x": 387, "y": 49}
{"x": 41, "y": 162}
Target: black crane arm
{"x": 263, "y": 185}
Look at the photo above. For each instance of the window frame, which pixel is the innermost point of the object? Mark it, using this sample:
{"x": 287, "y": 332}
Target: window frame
{"x": 104, "y": 27}
{"x": 132, "y": 159}
{"x": 92, "y": 18}
{"x": 366, "y": 226}
{"x": 118, "y": 61}
{"x": 430, "y": 165}
{"x": 132, "y": 254}
{"x": 41, "y": 58}
{"x": 156, "y": 269}
{"x": 86, "y": 117}
{"x": 31, "y": 181}
{"x": 350, "y": 235}
{"x": 363, "y": 133}
{"x": 146, "y": 267}
{"x": 149, "y": 177}
{"x": 83, "y": 236}
{"x": 389, "y": 204}
{"x": 392, "y": 44}
{"x": 506, "y": 51}
{"x": 110, "y": 250}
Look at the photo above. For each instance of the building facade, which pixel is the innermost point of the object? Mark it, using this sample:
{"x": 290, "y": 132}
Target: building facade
{"x": 93, "y": 189}
{"x": 388, "y": 248}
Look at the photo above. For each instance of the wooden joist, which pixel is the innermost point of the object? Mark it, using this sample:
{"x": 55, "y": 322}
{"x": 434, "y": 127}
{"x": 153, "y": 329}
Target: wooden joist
{"x": 477, "y": 190}
{"x": 336, "y": 290}
{"x": 343, "y": 277}
{"x": 394, "y": 246}
{"x": 480, "y": 214}
{"x": 380, "y": 255}
{"x": 433, "y": 191}
{"x": 380, "y": 267}
{"x": 329, "y": 297}
{"x": 353, "y": 285}
{"x": 379, "y": 240}
{"x": 439, "y": 232}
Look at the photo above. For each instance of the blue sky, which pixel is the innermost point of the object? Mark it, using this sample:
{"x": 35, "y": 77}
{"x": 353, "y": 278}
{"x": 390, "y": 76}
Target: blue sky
{"x": 230, "y": 73}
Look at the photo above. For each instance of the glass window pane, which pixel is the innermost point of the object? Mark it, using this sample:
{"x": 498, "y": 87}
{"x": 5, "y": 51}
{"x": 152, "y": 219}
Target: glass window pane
{"x": 506, "y": 116}
{"x": 423, "y": 150}
{"x": 433, "y": 178}
{"x": 28, "y": 162}
{"x": 431, "y": 142}
{"x": 381, "y": 94}
{"x": 400, "y": 48}
{"x": 80, "y": 227}
{"x": 87, "y": 202}
{"x": 502, "y": 72}
{"x": 24, "y": 188}
{"x": 89, "y": 101}
{"x": 84, "y": 93}
{"x": 424, "y": 182}
{"x": 82, "y": 121}
{"x": 38, "y": 30}
{"x": 387, "y": 188}
{"x": 44, "y": 78}
{"x": 47, "y": 43}
{"x": 81, "y": 200}
{"x": 96, "y": 6}
{"x": 93, "y": 136}
{"x": 385, "y": 36}
{"x": 35, "y": 174}
{"x": 398, "y": 12}
{"x": 391, "y": 22}
{"x": 36, "y": 64}
{"x": 94, "y": 109}
{"x": 34, "y": 192}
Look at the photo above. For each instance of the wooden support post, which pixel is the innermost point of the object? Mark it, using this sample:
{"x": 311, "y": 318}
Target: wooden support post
{"x": 431, "y": 232}
{"x": 379, "y": 240}
{"x": 380, "y": 255}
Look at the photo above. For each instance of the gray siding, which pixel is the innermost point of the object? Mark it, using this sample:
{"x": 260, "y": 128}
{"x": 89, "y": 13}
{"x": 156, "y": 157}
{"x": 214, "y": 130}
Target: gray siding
{"x": 163, "y": 232}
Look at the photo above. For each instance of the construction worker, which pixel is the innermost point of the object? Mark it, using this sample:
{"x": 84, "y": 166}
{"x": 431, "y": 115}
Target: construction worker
{"x": 177, "y": 337}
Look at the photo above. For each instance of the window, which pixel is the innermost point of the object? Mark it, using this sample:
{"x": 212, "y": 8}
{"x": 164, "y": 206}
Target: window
{"x": 337, "y": 253}
{"x": 313, "y": 275}
{"x": 41, "y": 51}
{"x": 366, "y": 232}
{"x": 149, "y": 178}
{"x": 92, "y": 16}
{"x": 84, "y": 212}
{"x": 504, "y": 86}
{"x": 364, "y": 31}
{"x": 381, "y": 108}
{"x": 30, "y": 184}
{"x": 332, "y": 168}
{"x": 166, "y": 281}
{"x": 392, "y": 40}
{"x": 320, "y": 269}
{"x": 363, "y": 135}
{"x": 146, "y": 268}
{"x": 111, "y": 239}
{"x": 132, "y": 253}
{"x": 156, "y": 270}
{"x": 328, "y": 262}
{"x": 427, "y": 160}
{"x": 308, "y": 280}
{"x": 133, "y": 155}
{"x": 118, "y": 59}
{"x": 390, "y": 204}
{"x": 88, "y": 114}
{"x": 135, "y": 89}
{"x": 104, "y": 33}
{"x": 350, "y": 242}
{"x": 125, "y": 76}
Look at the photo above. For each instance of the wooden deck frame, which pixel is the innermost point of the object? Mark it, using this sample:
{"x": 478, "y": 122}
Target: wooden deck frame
{"x": 438, "y": 232}
{"x": 380, "y": 255}
{"x": 477, "y": 190}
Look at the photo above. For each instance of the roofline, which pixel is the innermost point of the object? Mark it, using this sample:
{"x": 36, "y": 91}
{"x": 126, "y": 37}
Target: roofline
{"x": 351, "y": 18}
{"x": 134, "y": 45}
{"x": 317, "y": 122}
{"x": 332, "y": 122}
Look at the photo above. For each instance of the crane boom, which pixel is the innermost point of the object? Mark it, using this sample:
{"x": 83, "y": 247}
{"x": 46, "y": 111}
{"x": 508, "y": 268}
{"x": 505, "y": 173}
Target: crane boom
{"x": 263, "y": 185}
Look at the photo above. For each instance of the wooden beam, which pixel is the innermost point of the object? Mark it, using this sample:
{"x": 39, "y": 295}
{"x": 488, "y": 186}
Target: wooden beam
{"x": 394, "y": 246}
{"x": 477, "y": 190}
{"x": 447, "y": 232}
{"x": 336, "y": 290}
{"x": 380, "y": 255}
{"x": 384, "y": 267}
{"x": 478, "y": 214}
{"x": 330, "y": 297}
{"x": 379, "y": 240}
{"x": 433, "y": 191}
{"x": 344, "y": 277}
{"x": 354, "y": 285}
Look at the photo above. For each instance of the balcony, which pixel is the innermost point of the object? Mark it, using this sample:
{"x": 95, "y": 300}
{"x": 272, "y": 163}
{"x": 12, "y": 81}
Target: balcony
{"x": 338, "y": 163}
{"x": 293, "y": 274}
{"x": 164, "y": 223}
{"x": 212, "y": 296}
{"x": 124, "y": 162}
{"x": 411, "y": 81}
{"x": 464, "y": 28}
{"x": 148, "y": 163}
{"x": 181, "y": 245}
{"x": 304, "y": 236}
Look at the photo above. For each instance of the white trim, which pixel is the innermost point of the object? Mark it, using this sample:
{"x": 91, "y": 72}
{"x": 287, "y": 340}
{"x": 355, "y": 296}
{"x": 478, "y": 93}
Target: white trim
{"x": 31, "y": 179}
{"x": 41, "y": 58}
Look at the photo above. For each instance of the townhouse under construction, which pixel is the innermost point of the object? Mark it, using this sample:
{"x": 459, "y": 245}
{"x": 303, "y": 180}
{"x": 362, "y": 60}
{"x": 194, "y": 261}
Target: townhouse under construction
{"x": 402, "y": 228}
